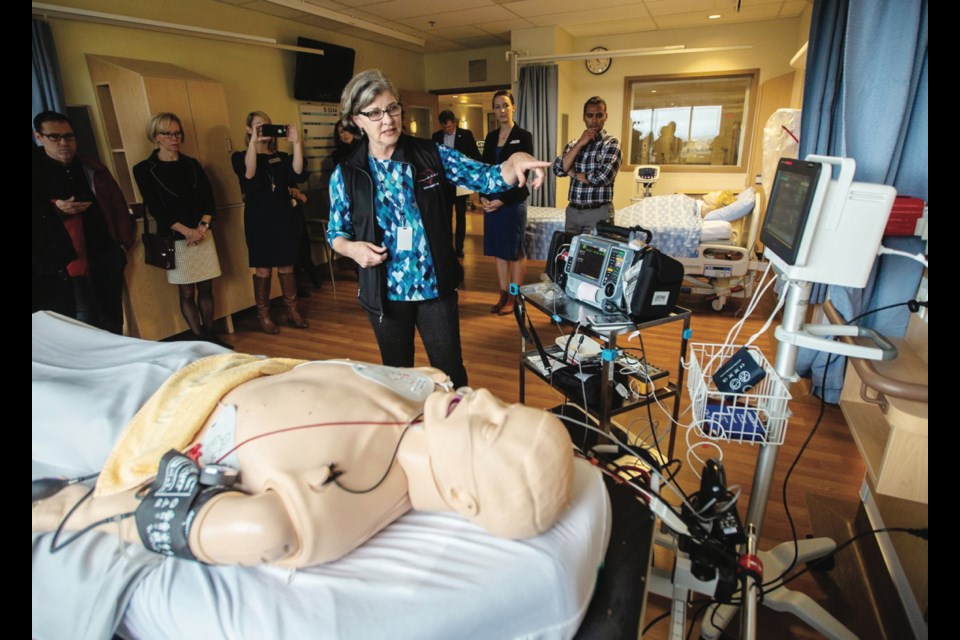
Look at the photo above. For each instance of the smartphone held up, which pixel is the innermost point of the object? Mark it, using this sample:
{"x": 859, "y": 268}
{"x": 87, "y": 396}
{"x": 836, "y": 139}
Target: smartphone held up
{"x": 273, "y": 130}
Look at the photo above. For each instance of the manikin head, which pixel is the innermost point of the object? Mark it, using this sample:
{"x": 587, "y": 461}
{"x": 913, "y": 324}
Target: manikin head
{"x": 507, "y": 468}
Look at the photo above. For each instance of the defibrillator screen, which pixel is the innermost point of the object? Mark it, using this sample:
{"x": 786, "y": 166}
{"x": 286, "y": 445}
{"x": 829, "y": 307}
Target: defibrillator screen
{"x": 588, "y": 262}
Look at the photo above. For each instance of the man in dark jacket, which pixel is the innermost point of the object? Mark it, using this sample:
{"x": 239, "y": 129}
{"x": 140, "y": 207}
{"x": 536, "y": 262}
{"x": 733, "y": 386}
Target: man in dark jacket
{"x": 463, "y": 141}
{"x": 81, "y": 227}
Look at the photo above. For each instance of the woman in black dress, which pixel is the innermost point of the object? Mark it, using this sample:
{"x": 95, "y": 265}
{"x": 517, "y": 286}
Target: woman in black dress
{"x": 268, "y": 215}
{"x": 505, "y": 214}
{"x": 177, "y": 193}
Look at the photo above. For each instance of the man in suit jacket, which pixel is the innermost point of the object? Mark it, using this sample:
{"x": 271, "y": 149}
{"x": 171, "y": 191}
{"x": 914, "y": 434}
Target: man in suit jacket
{"x": 463, "y": 141}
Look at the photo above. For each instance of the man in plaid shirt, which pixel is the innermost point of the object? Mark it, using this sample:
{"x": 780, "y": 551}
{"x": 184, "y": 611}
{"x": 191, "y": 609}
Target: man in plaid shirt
{"x": 592, "y": 162}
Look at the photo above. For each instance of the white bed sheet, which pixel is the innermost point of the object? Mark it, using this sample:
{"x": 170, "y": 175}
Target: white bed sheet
{"x": 427, "y": 575}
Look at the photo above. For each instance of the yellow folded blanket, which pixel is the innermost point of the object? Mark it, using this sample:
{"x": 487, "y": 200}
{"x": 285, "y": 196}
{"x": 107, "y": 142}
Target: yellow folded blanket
{"x": 175, "y": 413}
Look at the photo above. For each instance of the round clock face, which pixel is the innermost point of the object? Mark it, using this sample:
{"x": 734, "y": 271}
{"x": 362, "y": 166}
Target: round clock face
{"x": 599, "y": 64}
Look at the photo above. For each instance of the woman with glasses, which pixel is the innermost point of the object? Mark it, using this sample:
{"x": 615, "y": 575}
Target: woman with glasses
{"x": 505, "y": 213}
{"x": 178, "y": 195}
{"x": 270, "y": 226}
{"x": 389, "y": 213}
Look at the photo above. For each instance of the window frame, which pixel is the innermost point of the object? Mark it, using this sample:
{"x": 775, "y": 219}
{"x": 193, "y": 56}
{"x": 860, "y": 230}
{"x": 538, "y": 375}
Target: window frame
{"x": 751, "y": 103}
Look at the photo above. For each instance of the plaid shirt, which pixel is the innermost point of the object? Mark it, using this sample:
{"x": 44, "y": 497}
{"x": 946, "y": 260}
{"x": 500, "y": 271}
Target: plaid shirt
{"x": 599, "y": 161}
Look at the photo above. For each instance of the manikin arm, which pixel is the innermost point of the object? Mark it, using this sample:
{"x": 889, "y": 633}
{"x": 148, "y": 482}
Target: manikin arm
{"x": 232, "y": 528}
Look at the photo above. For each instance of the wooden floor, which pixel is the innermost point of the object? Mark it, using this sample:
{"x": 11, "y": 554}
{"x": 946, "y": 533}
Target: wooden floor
{"x": 830, "y": 467}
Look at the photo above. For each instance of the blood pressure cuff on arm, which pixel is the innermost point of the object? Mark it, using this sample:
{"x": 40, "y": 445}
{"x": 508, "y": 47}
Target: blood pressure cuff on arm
{"x": 169, "y": 505}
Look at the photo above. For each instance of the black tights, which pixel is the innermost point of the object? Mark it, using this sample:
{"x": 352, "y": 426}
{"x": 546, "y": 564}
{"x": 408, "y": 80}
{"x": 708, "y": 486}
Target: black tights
{"x": 197, "y": 312}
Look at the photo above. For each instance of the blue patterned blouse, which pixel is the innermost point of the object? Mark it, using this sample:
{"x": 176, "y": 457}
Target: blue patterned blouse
{"x": 410, "y": 273}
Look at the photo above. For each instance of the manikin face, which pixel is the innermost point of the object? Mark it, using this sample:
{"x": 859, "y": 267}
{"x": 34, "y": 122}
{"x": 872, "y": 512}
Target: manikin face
{"x": 595, "y": 116}
{"x": 508, "y": 468}
{"x": 62, "y": 150}
{"x": 450, "y": 126}
{"x": 384, "y": 133}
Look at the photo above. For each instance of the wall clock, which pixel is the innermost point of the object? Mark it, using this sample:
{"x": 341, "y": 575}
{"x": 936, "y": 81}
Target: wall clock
{"x": 598, "y": 65}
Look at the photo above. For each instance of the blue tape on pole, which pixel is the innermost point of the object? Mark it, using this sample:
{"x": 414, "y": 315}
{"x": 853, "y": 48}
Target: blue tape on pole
{"x": 608, "y": 354}
{"x": 687, "y": 333}
{"x": 514, "y": 288}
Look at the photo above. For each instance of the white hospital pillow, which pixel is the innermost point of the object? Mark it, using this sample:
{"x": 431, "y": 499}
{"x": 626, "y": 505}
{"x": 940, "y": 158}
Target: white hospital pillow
{"x": 715, "y": 230}
{"x": 731, "y": 212}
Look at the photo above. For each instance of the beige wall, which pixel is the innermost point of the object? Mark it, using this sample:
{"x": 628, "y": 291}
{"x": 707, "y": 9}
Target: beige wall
{"x": 254, "y": 77}
{"x": 262, "y": 78}
{"x": 774, "y": 43}
{"x": 452, "y": 70}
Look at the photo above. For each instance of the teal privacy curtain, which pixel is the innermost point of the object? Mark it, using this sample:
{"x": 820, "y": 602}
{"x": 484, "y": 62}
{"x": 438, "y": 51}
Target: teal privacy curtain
{"x": 537, "y": 113}
{"x": 47, "y": 85}
{"x": 865, "y": 97}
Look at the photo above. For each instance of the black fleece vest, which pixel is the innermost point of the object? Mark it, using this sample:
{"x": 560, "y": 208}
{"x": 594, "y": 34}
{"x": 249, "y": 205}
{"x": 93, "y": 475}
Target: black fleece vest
{"x": 428, "y": 181}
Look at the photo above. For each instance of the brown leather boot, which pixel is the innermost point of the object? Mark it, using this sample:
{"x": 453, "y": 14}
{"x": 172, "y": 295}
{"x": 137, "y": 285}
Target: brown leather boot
{"x": 288, "y": 285}
{"x": 261, "y": 295}
{"x": 507, "y": 307}
{"x": 503, "y": 299}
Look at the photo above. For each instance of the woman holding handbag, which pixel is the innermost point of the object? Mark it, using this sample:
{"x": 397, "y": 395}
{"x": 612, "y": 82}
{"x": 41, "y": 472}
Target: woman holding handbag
{"x": 178, "y": 195}
{"x": 270, "y": 223}
{"x": 505, "y": 214}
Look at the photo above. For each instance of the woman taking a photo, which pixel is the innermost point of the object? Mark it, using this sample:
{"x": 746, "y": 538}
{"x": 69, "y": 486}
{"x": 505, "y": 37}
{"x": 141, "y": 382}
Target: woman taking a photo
{"x": 389, "y": 213}
{"x": 177, "y": 193}
{"x": 270, "y": 226}
{"x": 505, "y": 214}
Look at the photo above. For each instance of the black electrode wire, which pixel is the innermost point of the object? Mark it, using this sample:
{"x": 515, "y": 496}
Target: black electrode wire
{"x": 334, "y": 477}
{"x": 55, "y": 547}
{"x": 655, "y": 465}
{"x": 693, "y": 619}
{"x": 812, "y": 565}
{"x": 646, "y": 367}
{"x": 655, "y": 621}
{"x": 643, "y": 492}
{"x": 816, "y": 425}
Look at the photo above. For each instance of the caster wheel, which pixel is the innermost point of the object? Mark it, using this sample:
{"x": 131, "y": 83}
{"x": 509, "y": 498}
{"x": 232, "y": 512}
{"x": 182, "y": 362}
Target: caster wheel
{"x": 717, "y": 304}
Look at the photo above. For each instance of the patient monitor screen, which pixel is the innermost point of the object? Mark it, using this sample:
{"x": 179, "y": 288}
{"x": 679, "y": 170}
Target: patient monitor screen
{"x": 588, "y": 262}
{"x": 790, "y": 200}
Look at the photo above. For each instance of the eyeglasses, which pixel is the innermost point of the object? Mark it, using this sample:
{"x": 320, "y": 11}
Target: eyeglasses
{"x": 57, "y": 137}
{"x": 377, "y": 114}
{"x": 170, "y": 134}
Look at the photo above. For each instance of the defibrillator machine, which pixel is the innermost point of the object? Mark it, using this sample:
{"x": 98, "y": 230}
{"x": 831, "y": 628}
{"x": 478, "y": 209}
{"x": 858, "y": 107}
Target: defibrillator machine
{"x": 595, "y": 269}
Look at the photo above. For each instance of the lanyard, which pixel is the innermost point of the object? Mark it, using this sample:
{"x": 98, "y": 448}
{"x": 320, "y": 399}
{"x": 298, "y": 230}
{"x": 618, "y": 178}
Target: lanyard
{"x": 398, "y": 206}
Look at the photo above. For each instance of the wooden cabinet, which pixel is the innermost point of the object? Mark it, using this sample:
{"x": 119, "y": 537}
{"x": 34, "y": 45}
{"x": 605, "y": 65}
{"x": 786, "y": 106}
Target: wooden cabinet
{"x": 885, "y": 405}
{"x": 128, "y": 93}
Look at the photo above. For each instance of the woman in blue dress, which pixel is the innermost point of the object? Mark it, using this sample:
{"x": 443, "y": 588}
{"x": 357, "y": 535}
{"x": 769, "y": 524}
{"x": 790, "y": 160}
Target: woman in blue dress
{"x": 505, "y": 213}
{"x": 266, "y": 176}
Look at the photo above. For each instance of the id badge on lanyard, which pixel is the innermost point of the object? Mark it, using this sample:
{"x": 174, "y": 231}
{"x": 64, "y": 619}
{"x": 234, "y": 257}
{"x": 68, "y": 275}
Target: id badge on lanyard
{"x": 405, "y": 238}
{"x": 404, "y": 230}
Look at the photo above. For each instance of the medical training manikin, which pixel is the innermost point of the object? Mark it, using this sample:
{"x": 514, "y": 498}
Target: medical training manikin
{"x": 328, "y": 454}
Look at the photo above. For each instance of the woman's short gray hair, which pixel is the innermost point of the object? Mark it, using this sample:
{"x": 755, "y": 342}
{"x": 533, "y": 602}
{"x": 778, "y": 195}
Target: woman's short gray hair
{"x": 361, "y": 90}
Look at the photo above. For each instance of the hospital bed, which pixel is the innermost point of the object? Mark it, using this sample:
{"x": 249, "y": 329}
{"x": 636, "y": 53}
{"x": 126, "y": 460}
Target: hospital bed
{"x": 427, "y": 575}
{"x": 717, "y": 253}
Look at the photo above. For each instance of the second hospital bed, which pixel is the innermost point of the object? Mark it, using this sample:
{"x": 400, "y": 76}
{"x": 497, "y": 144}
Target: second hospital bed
{"x": 717, "y": 252}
